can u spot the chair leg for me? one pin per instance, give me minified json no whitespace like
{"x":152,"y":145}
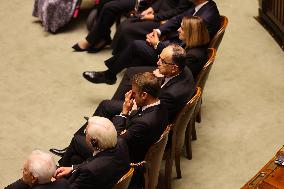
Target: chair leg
{"x":193,"y":131}
{"x":198,"y":116}
{"x":177,"y":162}
{"x":168,"y":172}
{"x":187,"y":142}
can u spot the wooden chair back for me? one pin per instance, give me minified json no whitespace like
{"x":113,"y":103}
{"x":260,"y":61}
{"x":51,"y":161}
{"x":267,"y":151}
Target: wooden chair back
{"x":216,"y":40}
{"x":124,"y":182}
{"x":178,"y":137}
{"x":153,"y":160}
{"x":203,"y":74}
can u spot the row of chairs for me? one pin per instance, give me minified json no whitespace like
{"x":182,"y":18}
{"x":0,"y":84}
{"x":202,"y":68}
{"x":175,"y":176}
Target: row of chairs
{"x":183,"y":129}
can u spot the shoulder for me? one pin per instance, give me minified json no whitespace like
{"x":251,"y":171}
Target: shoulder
{"x":60,"y":183}
{"x":180,"y":86}
{"x":197,"y":53}
{"x":196,"y":50}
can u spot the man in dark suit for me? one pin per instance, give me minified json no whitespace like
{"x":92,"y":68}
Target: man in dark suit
{"x":108,"y":160}
{"x":145,"y":53}
{"x":206,"y":9}
{"x":175,"y":91}
{"x":99,"y":36}
{"x":142,"y":127}
{"x":151,"y":18}
{"x":140,"y":121}
{"x":38,"y":171}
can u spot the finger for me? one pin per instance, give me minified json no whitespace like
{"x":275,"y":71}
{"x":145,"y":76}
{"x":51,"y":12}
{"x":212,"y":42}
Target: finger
{"x":57,"y":171}
{"x":155,"y":34}
{"x":59,"y":175}
{"x":128,"y":95}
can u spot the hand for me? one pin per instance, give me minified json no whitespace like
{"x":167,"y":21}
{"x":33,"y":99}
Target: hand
{"x":152,"y":38}
{"x":128,"y":103}
{"x":147,"y":17}
{"x":157,"y":73}
{"x":134,"y":107}
{"x":147,"y":11}
{"x":62,"y":171}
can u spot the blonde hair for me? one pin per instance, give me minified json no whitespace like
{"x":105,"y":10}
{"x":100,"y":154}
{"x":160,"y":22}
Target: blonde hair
{"x":195,"y":31}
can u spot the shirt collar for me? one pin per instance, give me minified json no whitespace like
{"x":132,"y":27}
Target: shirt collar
{"x":167,"y":79}
{"x":150,"y":105}
{"x":199,"y":7}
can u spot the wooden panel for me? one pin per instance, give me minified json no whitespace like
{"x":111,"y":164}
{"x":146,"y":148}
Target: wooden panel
{"x":275,"y":11}
{"x":271,"y":176}
{"x":271,"y":12}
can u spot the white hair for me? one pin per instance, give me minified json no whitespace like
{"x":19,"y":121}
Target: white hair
{"x":103,"y":130}
{"x":41,"y":165}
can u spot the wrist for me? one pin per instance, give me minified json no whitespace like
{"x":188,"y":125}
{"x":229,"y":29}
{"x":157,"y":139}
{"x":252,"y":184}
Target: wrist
{"x":156,"y":45}
{"x":124,"y":113}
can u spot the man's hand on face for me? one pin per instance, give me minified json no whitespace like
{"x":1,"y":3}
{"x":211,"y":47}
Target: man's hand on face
{"x":62,"y":171}
{"x":128,"y":103}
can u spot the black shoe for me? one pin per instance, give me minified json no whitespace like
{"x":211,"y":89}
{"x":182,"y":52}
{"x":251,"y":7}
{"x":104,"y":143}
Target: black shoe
{"x":99,"y":77}
{"x":58,"y":152}
{"x":99,"y":46}
{"x":77,"y":48}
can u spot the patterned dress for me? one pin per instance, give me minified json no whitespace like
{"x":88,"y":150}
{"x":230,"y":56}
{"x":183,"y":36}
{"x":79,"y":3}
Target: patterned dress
{"x":55,"y":14}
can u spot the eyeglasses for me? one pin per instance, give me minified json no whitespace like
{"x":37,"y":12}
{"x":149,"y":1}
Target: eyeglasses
{"x":163,"y":61}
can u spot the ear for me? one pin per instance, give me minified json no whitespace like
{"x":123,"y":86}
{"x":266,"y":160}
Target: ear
{"x":94,"y":142}
{"x":144,"y":95}
{"x":174,"y":69}
{"x":34,"y":180}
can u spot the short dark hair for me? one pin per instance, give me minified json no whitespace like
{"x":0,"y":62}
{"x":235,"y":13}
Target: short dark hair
{"x":178,"y":56}
{"x":147,"y":82}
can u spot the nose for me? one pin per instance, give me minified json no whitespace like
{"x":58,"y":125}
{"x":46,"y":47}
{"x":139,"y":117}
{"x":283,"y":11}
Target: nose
{"x":158,"y":62}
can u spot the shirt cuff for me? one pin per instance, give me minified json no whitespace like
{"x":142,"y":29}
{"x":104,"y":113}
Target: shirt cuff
{"x":159,"y":32}
{"x":122,"y":115}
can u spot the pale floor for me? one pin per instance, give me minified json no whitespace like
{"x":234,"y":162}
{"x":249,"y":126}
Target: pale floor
{"x":44,"y":97}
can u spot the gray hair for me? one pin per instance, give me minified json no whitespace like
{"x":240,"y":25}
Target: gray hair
{"x":41,"y":165}
{"x":103,"y":130}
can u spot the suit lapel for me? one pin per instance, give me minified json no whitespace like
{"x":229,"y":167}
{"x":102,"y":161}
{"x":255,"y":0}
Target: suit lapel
{"x":175,"y":79}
